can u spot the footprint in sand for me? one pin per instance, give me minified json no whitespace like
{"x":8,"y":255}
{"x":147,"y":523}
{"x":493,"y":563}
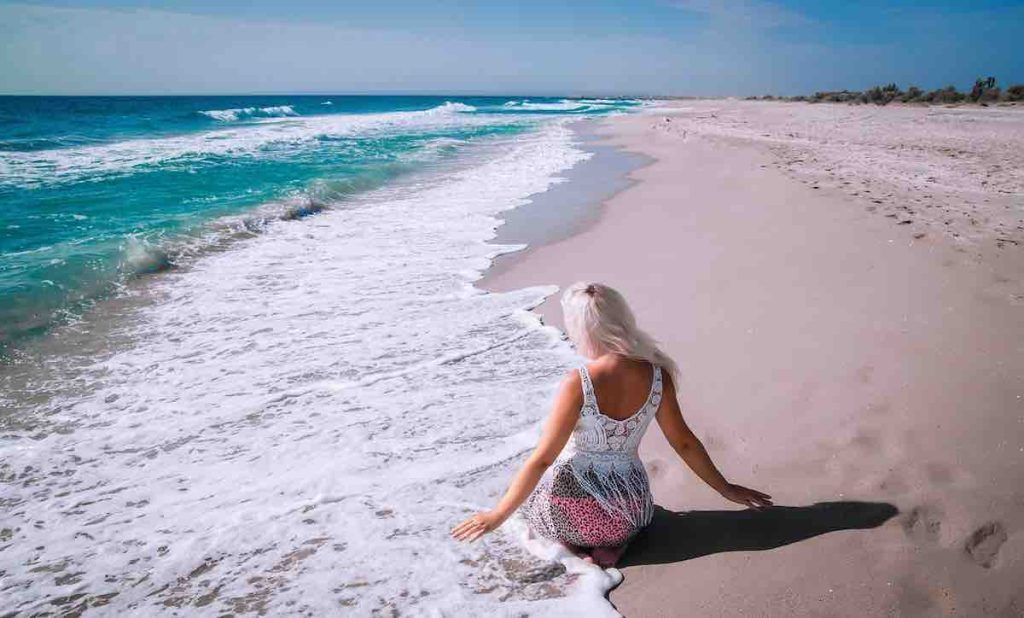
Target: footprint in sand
{"x":984,"y":543}
{"x":923,"y":523}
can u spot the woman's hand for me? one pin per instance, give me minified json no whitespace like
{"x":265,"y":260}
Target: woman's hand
{"x":746,"y":496}
{"x":477,"y":526}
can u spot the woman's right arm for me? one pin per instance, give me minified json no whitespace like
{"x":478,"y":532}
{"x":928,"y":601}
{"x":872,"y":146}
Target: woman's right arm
{"x":557,"y":430}
{"x":692,"y":451}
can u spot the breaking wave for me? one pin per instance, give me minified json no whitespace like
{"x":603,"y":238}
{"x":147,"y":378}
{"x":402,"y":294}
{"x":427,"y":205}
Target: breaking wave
{"x":244,"y":113}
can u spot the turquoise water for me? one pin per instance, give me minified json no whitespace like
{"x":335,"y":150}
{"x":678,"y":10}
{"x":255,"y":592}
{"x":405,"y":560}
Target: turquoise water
{"x":97,"y":190}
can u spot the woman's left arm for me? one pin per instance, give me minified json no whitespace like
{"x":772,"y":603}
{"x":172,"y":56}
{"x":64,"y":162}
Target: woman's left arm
{"x":557,"y":429}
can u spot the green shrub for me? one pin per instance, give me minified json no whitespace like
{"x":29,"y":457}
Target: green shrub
{"x":990,"y":94}
{"x":949,"y":94}
{"x":881,"y":95}
{"x":984,"y":91}
{"x":837,"y":96}
{"x":912,"y":94}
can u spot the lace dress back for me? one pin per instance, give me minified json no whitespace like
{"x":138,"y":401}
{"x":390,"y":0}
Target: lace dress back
{"x":597,"y":493}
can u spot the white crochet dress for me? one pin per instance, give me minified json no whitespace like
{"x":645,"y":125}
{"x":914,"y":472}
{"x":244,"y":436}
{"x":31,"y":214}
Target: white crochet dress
{"x":597,"y":494}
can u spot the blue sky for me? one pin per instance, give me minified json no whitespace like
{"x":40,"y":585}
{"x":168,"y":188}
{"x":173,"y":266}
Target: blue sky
{"x":690,"y":47}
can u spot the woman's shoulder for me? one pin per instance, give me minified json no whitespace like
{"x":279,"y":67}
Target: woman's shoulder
{"x":572,"y":379}
{"x":617,"y":367}
{"x":573,"y":376}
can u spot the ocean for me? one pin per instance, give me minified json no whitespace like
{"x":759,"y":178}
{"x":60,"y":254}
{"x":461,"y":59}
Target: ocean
{"x":244,"y":365}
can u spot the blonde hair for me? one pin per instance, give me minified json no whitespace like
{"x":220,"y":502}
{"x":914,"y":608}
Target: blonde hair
{"x":598,"y":321}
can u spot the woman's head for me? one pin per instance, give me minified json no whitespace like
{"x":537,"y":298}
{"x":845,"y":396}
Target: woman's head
{"x":599,"y":321}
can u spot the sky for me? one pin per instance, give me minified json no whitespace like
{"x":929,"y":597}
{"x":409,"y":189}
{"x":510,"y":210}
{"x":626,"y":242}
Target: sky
{"x":593,"y":47}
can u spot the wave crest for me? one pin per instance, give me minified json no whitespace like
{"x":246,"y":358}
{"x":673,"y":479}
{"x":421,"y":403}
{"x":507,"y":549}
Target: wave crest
{"x":452,"y":107}
{"x":565,"y":105}
{"x":242,"y":113}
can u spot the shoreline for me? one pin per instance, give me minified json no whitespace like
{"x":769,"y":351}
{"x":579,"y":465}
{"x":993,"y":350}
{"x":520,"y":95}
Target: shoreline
{"x":828,"y":357}
{"x":568,"y":207}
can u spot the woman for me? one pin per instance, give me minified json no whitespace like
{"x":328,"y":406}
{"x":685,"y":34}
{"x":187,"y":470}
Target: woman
{"x":596,"y":498}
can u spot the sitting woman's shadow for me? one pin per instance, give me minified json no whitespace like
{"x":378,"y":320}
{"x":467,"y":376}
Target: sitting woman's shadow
{"x":675,"y":537}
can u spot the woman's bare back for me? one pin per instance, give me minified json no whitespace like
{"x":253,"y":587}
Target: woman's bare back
{"x":621,"y":384}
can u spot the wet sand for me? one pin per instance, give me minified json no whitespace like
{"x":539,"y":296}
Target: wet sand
{"x":867,"y":373}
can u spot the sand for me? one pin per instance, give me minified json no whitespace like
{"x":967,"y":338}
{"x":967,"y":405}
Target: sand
{"x":870,"y":377}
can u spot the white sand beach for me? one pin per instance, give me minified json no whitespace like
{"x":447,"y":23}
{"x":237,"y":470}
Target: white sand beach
{"x":843,"y":288}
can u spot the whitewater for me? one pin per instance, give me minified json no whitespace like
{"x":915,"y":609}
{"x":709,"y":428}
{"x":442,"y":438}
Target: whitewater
{"x":291,"y":422}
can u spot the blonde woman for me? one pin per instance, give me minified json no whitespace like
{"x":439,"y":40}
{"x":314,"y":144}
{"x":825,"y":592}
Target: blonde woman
{"x":593,"y":496}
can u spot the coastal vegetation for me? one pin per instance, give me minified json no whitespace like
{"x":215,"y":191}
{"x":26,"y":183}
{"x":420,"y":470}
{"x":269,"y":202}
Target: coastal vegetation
{"x":984,"y":92}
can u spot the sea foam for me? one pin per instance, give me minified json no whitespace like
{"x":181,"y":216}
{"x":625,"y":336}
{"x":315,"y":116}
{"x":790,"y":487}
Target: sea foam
{"x":564,"y":105}
{"x":231,"y":115}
